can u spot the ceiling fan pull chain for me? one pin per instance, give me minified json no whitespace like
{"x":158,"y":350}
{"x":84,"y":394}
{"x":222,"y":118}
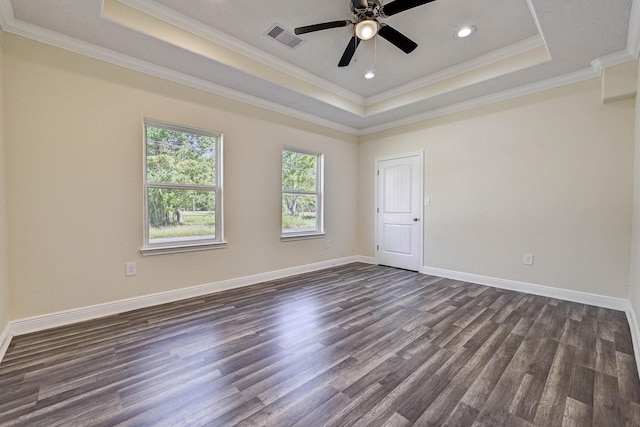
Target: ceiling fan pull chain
{"x":375,"y":57}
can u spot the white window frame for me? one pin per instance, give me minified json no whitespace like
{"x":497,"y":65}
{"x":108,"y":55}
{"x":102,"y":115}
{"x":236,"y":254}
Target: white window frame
{"x":184,"y":244}
{"x":319,"y":193}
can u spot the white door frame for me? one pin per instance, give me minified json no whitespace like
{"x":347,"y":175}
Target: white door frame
{"x":420,"y":155}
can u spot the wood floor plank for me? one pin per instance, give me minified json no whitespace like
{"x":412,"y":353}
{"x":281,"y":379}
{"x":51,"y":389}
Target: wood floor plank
{"x":481,"y":393}
{"x":551,"y":407}
{"x":352,"y":413}
{"x":461,"y":415}
{"x":628,"y":378}
{"x":351,"y":345}
{"x":608,"y":407}
{"x":527,"y":398}
{"x":606,"y":357}
{"x":440,"y":409}
{"x":576,"y":414}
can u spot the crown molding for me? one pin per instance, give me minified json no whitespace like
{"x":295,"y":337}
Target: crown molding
{"x":633,"y":36}
{"x":483,"y":60}
{"x":610,"y":60}
{"x":536,"y":21}
{"x":196,"y":27}
{"x":24,"y":29}
{"x":465,"y":67}
{"x":578,"y":76}
{"x":33,"y":32}
{"x":213,"y":35}
{"x":30,"y":31}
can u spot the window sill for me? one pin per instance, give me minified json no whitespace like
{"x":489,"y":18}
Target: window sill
{"x":172,"y":249}
{"x":301,"y":236}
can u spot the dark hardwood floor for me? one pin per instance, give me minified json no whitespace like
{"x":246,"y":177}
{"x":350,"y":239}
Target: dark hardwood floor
{"x":354,"y":345}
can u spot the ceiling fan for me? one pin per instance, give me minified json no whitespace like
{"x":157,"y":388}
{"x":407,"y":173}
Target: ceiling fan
{"x":366,"y":15}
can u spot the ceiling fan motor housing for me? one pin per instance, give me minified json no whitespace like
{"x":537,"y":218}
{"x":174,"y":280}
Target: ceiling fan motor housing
{"x":372,"y":11}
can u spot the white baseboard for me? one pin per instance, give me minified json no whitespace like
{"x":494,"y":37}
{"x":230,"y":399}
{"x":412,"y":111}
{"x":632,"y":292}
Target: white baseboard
{"x":47,"y":321}
{"x":530,"y":288}
{"x":632,"y":319}
{"x":547,"y":291}
{"x":5,"y":340}
{"x":366,"y":259}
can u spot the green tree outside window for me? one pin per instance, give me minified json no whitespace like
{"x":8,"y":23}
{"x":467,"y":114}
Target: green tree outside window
{"x":301,"y":195}
{"x":182,"y":190}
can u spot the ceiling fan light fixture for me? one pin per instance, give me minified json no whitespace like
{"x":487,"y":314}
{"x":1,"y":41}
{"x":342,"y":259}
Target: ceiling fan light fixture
{"x":367,"y":29}
{"x":466,"y":31}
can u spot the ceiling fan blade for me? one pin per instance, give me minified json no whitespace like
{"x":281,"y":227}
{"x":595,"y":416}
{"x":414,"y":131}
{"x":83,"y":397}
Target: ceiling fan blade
{"x":349,"y":52}
{"x":360,"y":4}
{"x":398,"y":6}
{"x":398,"y":39}
{"x":322,"y":26}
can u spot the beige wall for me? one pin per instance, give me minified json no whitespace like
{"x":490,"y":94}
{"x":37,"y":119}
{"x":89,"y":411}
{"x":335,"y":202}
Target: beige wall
{"x":74,"y":164}
{"x":548,"y":174}
{"x":634,"y":287}
{"x":4,"y":277}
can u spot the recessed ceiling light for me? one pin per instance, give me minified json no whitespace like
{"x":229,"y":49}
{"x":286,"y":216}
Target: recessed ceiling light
{"x":466,"y":31}
{"x":369,"y":75}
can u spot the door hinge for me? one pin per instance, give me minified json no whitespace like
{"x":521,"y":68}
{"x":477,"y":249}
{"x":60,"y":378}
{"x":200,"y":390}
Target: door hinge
{"x":378,"y":173}
{"x":377,"y":210}
{"x":377,"y":247}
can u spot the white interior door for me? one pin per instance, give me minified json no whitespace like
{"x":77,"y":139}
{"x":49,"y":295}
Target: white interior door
{"x":399,"y":211}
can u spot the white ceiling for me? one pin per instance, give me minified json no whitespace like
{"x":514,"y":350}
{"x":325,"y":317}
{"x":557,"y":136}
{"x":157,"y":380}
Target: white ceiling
{"x":520,"y":46}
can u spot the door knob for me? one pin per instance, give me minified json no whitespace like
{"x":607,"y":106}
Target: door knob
{"x":416,"y":219}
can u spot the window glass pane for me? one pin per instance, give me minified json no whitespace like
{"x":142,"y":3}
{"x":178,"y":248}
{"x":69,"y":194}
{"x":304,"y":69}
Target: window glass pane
{"x":299,"y":171}
{"x":180,"y":158}
{"x":176,"y":214}
{"x":299,"y":212}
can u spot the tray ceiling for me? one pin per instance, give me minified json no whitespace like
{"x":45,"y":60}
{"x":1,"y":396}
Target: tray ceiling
{"x":221,"y":46}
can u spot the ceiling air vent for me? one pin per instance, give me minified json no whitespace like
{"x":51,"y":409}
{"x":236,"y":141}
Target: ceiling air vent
{"x":285,"y":37}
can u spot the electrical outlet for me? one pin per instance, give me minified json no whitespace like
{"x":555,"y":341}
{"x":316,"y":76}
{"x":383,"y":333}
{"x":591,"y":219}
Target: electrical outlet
{"x":527,"y":259}
{"x":328,"y":244}
{"x":131,"y":269}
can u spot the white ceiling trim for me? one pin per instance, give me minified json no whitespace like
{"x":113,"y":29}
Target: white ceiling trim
{"x":536,"y":21}
{"x":190,"y":25}
{"x":497,"y":55}
{"x":616,"y":58}
{"x":24,"y":29}
{"x":476,"y":76}
{"x":576,"y":77}
{"x":595,"y":70}
{"x":523,"y":55}
{"x":12,"y":25}
{"x":188,"y":41}
{"x":632,"y":51}
{"x":186,"y":23}
{"x":451,"y":72}
{"x":633,"y":37}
